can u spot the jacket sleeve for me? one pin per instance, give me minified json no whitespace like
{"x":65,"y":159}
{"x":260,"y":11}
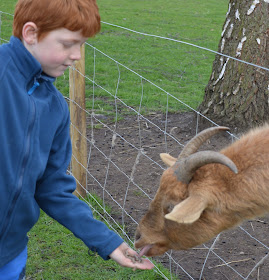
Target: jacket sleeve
{"x":54,"y":194}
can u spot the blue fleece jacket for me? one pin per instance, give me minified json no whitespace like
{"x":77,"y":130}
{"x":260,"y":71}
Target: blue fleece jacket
{"x":35,"y":152}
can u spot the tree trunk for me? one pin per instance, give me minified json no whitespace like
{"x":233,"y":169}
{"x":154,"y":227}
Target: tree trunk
{"x":238,"y":93}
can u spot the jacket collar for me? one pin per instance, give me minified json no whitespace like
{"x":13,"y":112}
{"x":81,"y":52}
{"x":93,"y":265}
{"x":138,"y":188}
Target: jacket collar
{"x":29,"y":67}
{"x":26,"y":63}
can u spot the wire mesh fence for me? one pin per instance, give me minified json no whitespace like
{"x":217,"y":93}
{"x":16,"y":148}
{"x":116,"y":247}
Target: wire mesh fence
{"x":130,"y":120}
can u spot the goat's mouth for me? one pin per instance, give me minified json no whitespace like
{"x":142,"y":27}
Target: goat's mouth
{"x":151,"y":250}
{"x":144,"y":250}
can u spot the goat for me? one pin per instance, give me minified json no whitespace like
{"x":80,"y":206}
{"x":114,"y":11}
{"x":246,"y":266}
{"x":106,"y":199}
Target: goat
{"x":204,"y":193}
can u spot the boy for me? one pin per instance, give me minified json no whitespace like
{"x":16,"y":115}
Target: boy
{"x":34,"y":129}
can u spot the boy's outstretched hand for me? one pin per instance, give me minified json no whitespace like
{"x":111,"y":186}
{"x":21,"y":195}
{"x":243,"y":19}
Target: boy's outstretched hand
{"x":127,"y":257}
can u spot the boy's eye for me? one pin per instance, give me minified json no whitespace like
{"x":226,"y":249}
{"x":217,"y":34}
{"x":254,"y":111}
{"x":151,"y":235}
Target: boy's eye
{"x":67,"y":45}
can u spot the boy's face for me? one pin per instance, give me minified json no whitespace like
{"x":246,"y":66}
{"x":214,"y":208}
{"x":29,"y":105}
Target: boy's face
{"x":58,"y":50}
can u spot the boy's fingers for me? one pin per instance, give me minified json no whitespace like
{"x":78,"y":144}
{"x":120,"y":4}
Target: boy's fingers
{"x":146,"y":264}
{"x":136,"y":261}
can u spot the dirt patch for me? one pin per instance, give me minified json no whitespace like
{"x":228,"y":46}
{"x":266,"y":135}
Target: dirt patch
{"x":125,"y":169}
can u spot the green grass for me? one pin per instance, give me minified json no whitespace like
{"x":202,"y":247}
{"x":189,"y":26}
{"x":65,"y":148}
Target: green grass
{"x":54,"y":253}
{"x":7,"y":6}
{"x":181,"y":70}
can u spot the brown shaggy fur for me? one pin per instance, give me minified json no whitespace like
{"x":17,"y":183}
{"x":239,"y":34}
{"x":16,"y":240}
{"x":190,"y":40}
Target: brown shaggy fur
{"x":227,"y":199}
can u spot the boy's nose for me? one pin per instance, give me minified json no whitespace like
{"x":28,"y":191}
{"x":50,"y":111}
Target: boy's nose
{"x":76,"y":54}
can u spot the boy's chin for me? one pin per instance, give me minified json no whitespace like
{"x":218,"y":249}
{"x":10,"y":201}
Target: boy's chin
{"x":55,"y":74}
{"x":58,"y":75}
{"x":56,"y":71}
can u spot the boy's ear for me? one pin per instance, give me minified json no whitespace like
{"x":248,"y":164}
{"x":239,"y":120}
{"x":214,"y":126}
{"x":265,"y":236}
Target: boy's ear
{"x":29,"y":33}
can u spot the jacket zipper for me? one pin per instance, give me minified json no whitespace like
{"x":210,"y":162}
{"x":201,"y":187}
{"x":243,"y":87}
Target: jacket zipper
{"x":25,"y":159}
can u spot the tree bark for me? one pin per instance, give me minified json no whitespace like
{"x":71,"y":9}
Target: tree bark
{"x":238,"y":93}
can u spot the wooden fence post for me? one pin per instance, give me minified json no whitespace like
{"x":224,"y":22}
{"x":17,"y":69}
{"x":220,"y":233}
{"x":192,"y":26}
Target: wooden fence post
{"x":78,"y":123}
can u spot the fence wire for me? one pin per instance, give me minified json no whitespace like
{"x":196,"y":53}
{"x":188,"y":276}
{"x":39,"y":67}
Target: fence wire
{"x":123,"y":166}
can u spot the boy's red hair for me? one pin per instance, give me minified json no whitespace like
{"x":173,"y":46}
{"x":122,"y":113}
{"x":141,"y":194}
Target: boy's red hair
{"x":49,"y":15}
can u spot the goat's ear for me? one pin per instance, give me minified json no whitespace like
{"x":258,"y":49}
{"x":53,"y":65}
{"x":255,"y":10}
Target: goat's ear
{"x":188,"y":211}
{"x":167,"y":159}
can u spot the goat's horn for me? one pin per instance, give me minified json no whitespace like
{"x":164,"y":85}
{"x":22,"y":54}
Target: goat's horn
{"x":193,"y":145}
{"x":186,"y":167}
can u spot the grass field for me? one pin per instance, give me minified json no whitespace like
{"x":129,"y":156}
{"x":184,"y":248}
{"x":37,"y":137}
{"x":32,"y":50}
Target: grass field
{"x":54,"y":253}
{"x":180,"y":69}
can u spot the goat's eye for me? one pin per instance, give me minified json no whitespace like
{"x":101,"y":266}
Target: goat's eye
{"x":168,"y":208}
{"x":137,"y":235}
